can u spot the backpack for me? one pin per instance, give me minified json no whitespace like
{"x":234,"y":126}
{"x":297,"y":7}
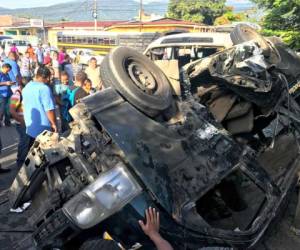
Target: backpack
{"x":69,"y":101}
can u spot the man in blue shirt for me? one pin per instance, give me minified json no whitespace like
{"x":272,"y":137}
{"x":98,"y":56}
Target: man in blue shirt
{"x":14,"y":74}
{"x":40,"y":54}
{"x":5,"y":91}
{"x":39,"y":107}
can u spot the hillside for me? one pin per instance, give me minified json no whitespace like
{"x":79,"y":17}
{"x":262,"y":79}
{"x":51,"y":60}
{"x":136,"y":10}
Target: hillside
{"x":82,"y":10}
{"x":107,"y":10}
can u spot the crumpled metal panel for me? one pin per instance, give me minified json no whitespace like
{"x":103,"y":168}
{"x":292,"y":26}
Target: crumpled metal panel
{"x":177,"y":169}
{"x":44,"y":152}
{"x":244,"y":70}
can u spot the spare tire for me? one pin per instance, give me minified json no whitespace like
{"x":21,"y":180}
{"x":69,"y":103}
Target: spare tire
{"x":244,"y":33}
{"x":137,"y":79}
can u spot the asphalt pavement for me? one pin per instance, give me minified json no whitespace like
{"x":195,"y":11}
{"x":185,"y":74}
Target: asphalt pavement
{"x":15,"y":231}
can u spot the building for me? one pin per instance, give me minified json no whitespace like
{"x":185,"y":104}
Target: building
{"x":146,"y":17}
{"x":23,"y":28}
{"x":160,"y":25}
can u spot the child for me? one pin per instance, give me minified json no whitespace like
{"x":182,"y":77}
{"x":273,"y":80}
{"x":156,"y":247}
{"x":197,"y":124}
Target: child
{"x":67,"y":67}
{"x":60,"y":93}
{"x":5,"y":91}
{"x":26,"y":67}
{"x":47,"y":59}
{"x":87,"y":86}
{"x":55,"y":65}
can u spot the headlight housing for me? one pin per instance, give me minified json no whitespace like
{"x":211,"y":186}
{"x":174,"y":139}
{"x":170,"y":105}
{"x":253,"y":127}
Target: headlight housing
{"x":107,"y":194}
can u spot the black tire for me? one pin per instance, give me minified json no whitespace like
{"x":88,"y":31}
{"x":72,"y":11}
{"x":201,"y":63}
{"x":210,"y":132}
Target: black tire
{"x":99,"y":244}
{"x":137,"y":79}
{"x":244,"y":33}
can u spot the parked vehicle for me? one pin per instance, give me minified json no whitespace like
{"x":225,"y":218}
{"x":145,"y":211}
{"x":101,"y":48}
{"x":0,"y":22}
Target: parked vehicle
{"x":82,"y":56}
{"x":21,"y":45}
{"x":187,"y":47}
{"x":4,"y":37}
{"x":210,"y":156}
{"x":103,"y":42}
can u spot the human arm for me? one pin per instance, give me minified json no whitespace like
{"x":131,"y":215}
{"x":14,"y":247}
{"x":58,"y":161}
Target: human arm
{"x":151,"y":228}
{"x":52,"y":119}
{"x":47,"y":101}
{"x":7,"y":83}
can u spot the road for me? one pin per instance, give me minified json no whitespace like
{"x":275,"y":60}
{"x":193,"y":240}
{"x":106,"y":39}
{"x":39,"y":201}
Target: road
{"x":15,"y":231}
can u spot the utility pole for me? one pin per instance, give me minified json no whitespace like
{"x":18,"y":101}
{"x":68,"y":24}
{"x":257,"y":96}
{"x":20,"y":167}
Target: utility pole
{"x":141,"y":18}
{"x":95,"y":14}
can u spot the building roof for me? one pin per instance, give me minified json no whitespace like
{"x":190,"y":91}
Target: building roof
{"x":83,"y":24}
{"x":105,"y":24}
{"x":161,"y":21}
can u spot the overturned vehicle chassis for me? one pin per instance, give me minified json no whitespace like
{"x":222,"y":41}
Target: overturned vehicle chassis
{"x":213,"y":160}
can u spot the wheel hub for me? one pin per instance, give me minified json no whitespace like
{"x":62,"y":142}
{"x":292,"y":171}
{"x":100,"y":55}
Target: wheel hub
{"x":142,"y":78}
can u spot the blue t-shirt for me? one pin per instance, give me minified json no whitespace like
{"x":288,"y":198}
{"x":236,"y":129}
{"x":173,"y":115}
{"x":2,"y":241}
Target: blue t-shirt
{"x":40,"y":55}
{"x":37,"y":101}
{"x":15,"y":69}
{"x":5,"y":91}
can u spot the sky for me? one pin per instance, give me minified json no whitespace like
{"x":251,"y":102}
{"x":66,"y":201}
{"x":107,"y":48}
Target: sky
{"x":29,"y":3}
{"x":36,"y":3}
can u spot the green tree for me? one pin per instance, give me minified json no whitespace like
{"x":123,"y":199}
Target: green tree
{"x":200,"y":11}
{"x":229,"y":16}
{"x":282,"y":18}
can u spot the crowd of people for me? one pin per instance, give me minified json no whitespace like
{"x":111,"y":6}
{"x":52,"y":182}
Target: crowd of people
{"x":38,"y":88}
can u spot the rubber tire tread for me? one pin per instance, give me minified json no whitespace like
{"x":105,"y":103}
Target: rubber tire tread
{"x":152,"y":105}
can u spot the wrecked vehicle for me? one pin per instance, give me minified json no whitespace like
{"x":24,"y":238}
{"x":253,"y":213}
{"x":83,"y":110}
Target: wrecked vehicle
{"x":171,"y":53}
{"x":210,"y":156}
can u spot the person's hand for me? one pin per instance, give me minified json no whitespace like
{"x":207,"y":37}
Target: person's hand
{"x":9,"y":83}
{"x":54,"y":128}
{"x":151,"y":228}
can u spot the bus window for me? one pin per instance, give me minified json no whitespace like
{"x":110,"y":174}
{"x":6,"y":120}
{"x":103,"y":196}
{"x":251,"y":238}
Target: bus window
{"x":112,"y":42}
{"x":106,"y":41}
{"x":90,"y":40}
{"x":94,"y":40}
{"x":84,"y":40}
{"x":100,"y":41}
{"x":59,"y":39}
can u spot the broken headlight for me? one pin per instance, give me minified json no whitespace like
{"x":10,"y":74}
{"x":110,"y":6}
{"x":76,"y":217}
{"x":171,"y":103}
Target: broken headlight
{"x":106,"y":195}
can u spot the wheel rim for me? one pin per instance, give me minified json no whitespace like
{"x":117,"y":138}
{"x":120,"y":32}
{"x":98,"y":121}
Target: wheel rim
{"x":142,"y":77}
